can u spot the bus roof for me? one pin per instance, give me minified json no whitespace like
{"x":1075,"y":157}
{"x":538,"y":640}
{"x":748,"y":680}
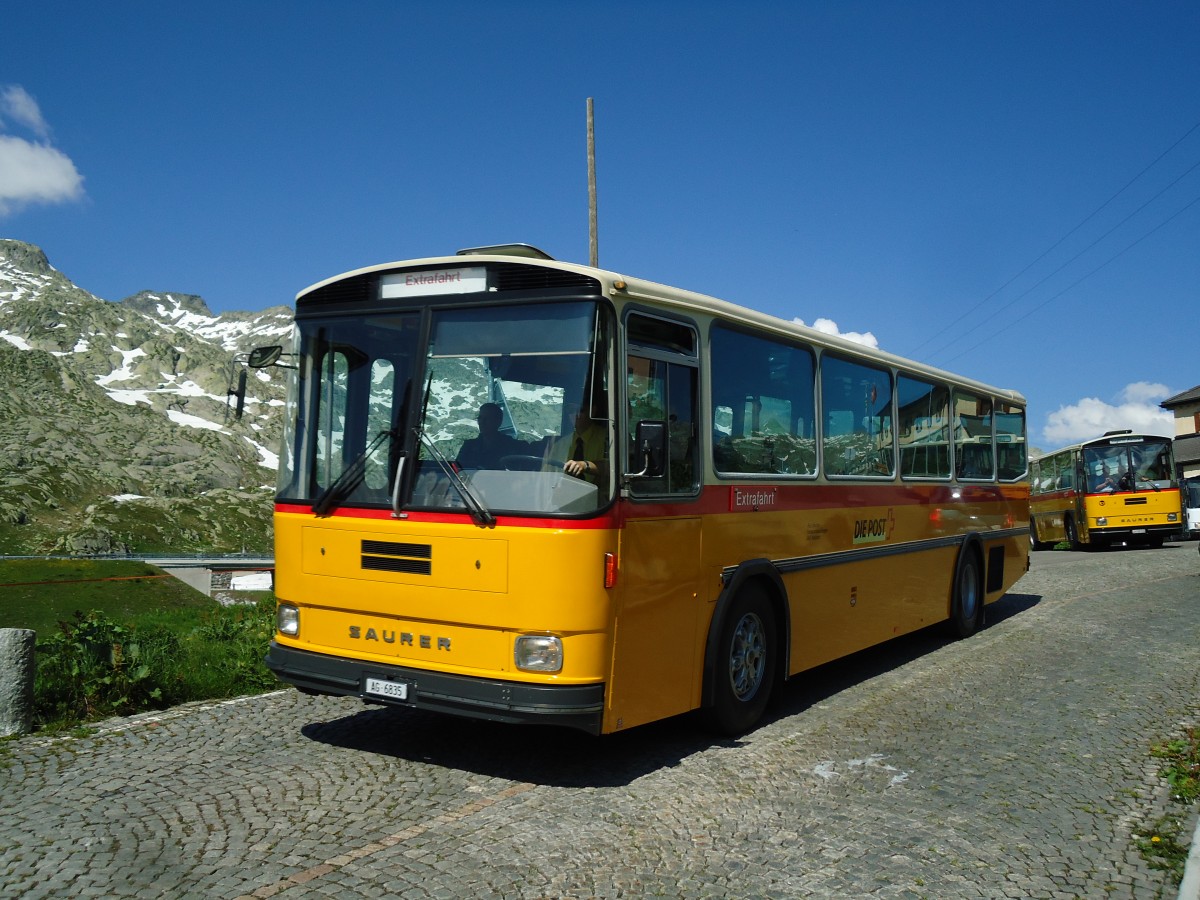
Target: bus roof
{"x":616,"y":284}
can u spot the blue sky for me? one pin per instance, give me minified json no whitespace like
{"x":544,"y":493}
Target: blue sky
{"x":1003,"y":190}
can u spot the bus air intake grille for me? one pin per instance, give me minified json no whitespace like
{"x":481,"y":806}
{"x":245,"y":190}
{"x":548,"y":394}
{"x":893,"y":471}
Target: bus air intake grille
{"x":1135,"y":501}
{"x":516,"y":277}
{"x":360,"y":289}
{"x":409,"y":559}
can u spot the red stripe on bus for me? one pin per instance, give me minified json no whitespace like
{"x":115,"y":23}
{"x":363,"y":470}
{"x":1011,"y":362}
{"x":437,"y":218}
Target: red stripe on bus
{"x":721,"y":499}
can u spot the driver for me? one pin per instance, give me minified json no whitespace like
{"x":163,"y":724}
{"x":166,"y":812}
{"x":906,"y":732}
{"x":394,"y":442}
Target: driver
{"x":1105,"y":481}
{"x":492,"y":445}
{"x":584,"y":451}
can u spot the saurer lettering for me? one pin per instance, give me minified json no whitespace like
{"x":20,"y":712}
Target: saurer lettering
{"x":404,"y":638}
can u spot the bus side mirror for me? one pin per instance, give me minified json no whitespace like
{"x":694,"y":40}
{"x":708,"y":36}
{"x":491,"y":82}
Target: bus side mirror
{"x":261,"y":357}
{"x":651,"y":444}
{"x":238,"y":394}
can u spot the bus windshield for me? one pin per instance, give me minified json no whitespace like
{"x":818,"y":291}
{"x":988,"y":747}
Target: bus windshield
{"x":509,"y":394}
{"x":477,"y":421}
{"x":1140,"y":465}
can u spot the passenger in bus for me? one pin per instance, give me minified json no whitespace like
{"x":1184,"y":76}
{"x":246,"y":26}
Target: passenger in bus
{"x":584,"y":452}
{"x":488,"y":449}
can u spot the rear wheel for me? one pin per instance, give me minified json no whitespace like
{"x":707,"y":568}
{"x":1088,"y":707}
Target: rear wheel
{"x":744,"y":670}
{"x":966,"y":606}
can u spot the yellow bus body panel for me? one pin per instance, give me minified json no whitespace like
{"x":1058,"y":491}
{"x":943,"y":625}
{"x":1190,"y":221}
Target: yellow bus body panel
{"x":864,"y":575}
{"x":1131,"y":510}
{"x":485,"y":586}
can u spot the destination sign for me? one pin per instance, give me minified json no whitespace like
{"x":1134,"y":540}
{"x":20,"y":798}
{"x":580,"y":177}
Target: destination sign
{"x":433,"y":281}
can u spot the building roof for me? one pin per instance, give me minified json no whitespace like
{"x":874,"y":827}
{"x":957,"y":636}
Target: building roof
{"x":1187,"y":449}
{"x":1191,"y":396}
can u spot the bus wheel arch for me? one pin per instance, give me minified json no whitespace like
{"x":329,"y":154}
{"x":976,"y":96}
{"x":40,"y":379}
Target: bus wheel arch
{"x":745,"y":653}
{"x":967,"y":597}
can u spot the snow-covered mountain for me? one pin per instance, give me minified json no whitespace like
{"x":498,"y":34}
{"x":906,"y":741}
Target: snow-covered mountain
{"x":116,"y":433}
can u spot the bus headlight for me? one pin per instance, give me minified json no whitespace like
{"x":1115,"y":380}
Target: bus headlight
{"x":538,"y":653}
{"x":287,"y":619}
{"x":1172,"y":517}
{"x":1102,"y":521}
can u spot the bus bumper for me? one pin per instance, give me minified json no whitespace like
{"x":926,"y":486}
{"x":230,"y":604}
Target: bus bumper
{"x":515,"y":702}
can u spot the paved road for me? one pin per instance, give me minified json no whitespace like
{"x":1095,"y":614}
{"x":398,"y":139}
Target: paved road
{"x":1013,"y":764}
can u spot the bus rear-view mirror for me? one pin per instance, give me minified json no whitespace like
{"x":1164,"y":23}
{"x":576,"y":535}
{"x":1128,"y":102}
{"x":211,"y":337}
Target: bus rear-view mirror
{"x":651,"y":444}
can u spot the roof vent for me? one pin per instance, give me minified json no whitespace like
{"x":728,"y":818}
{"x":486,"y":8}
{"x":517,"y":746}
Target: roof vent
{"x":526,"y":250}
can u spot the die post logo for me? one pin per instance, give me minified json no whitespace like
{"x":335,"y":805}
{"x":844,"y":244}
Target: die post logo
{"x":876,"y":530}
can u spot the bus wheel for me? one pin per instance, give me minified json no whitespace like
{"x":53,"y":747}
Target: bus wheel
{"x":744,"y":670}
{"x":1034,"y":543}
{"x":1072,"y":533}
{"x":966,"y":606}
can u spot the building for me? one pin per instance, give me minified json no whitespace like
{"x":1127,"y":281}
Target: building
{"x":1186,"y":409}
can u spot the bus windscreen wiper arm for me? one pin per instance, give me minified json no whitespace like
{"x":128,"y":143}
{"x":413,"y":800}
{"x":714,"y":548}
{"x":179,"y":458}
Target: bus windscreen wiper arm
{"x":476,"y":506}
{"x":350,"y":478}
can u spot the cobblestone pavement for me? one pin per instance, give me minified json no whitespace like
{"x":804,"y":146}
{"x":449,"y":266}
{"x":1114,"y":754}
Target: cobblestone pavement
{"x":1012,"y":764}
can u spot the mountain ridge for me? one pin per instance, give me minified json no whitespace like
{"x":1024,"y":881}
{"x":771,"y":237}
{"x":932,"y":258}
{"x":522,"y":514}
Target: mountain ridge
{"x":117,"y":435}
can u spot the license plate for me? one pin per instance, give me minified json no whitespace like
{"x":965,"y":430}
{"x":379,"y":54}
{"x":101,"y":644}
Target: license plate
{"x":1139,"y":531}
{"x":394,"y":690}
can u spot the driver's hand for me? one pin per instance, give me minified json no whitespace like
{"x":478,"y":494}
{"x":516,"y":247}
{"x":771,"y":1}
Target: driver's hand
{"x":576,"y":467}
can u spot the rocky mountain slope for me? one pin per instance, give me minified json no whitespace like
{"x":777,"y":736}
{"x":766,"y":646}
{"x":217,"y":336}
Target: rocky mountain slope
{"x":115,"y":435}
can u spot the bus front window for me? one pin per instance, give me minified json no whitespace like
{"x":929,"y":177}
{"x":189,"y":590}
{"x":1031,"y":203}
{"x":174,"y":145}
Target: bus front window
{"x":1151,"y":463}
{"x":506,"y":391}
{"x":346,"y":409}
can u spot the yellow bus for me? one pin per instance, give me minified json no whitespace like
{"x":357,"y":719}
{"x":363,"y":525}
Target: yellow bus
{"x":529,"y":491}
{"x":1119,"y":488}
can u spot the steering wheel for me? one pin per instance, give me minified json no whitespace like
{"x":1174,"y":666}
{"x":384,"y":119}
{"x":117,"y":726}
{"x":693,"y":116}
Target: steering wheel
{"x":521,"y":462}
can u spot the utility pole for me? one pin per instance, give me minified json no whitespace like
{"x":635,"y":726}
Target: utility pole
{"x":593,"y":237}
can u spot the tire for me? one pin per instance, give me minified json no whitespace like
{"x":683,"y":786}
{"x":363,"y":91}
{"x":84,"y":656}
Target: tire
{"x":1034,"y":543}
{"x":744,"y":668}
{"x":966,"y":603}
{"x":1072,"y":533}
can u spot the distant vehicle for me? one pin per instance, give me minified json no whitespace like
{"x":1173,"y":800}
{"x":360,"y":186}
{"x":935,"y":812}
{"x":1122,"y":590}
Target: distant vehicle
{"x":708,"y":500}
{"x":1191,"y":505}
{"x":1117,"y":489}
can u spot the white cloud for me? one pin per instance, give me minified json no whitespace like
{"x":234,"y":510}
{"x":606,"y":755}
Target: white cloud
{"x":31,"y":171}
{"x":16,"y":104}
{"x":828,"y":326}
{"x":1136,"y":409}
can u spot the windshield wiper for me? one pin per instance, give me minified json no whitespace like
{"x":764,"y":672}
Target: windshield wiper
{"x":473,"y":502}
{"x":350,"y":478}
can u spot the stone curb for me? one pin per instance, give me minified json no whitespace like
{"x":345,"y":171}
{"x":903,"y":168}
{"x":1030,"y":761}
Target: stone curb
{"x":1189,"y":888}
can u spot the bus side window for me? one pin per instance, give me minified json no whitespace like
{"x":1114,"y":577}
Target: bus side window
{"x":764,"y":408}
{"x":663,"y":391}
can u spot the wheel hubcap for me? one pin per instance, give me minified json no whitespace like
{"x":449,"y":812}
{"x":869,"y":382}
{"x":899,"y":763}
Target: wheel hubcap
{"x":748,"y":657}
{"x":969,"y":592}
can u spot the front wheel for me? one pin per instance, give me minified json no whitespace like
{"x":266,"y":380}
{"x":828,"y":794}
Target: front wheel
{"x":1072,"y":533}
{"x":744,"y":669}
{"x":1034,"y":543}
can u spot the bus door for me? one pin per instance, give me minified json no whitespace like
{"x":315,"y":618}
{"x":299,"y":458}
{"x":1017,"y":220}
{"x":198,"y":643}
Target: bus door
{"x":656,"y":663}
{"x":1082,"y":481}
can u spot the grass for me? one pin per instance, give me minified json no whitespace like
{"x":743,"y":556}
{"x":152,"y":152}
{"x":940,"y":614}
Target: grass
{"x":1165,"y":846}
{"x":39,"y":593}
{"x":119,"y":637}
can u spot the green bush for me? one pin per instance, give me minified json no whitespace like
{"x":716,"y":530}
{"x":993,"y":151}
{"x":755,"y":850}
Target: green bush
{"x":94,"y":666}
